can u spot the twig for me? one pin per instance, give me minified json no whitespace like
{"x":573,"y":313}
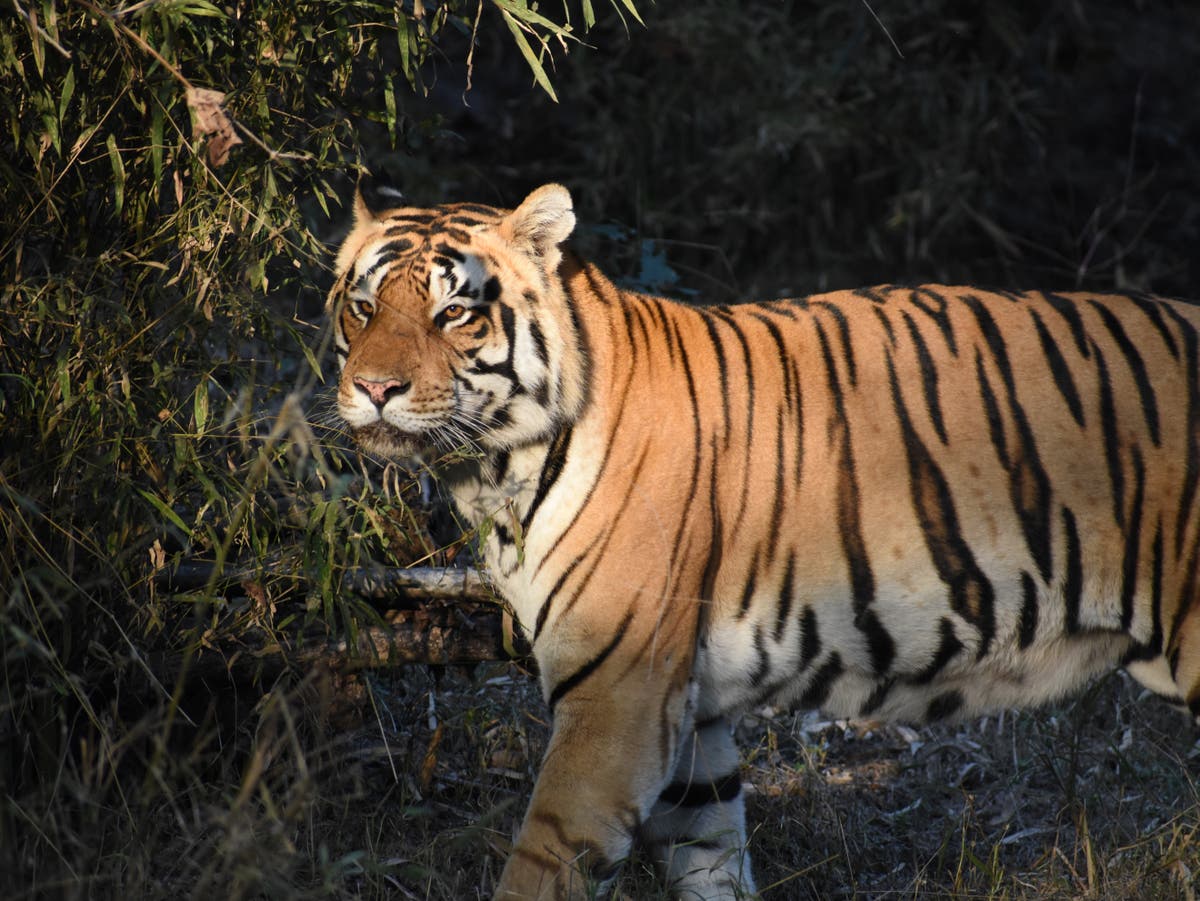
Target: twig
{"x":40,"y":30}
{"x":884,"y":27}
{"x":374,"y":583}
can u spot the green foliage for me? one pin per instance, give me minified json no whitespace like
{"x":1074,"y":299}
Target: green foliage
{"x":167,"y":169}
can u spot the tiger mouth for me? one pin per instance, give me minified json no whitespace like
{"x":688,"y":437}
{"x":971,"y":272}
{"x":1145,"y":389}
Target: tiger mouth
{"x":386,"y":440}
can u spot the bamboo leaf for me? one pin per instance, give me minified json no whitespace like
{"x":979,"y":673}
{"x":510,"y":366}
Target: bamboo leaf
{"x":118,"y":167}
{"x":68,"y":90}
{"x":539,"y":74}
{"x":527,"y":15}
{"x":200,"y":407}
{"x":628,"y":4}
{"x":161,"y":506}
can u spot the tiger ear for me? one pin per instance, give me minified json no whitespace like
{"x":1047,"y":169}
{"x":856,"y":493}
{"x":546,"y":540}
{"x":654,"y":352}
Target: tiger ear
{"x":543,"y":221}
{"x":373,"y":196}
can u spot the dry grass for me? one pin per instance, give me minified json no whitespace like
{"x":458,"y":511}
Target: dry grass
{"x":412,"y":788}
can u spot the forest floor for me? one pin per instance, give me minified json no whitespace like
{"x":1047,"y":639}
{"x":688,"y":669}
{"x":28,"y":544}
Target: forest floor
{"x":1097,"y":798}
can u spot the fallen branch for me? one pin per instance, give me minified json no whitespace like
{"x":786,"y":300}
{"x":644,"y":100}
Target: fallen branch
{"x":374,"y":583}
{"x":458,"y":621}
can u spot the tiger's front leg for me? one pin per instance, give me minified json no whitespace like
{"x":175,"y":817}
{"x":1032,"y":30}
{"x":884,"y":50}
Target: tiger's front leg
{"x":610,"y":756}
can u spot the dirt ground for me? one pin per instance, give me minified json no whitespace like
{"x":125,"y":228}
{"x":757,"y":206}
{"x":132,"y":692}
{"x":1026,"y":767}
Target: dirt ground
{"x":1098,"y":797}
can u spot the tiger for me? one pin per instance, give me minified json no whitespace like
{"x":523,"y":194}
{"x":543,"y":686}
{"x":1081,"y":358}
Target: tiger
{"x":898,"y":503}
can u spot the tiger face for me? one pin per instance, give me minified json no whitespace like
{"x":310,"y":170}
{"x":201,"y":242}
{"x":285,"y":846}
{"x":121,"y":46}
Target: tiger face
{"x":450,"y":325}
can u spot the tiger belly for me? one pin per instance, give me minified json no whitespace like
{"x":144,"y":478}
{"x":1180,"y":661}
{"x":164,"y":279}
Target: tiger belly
{"x":741,"y":668}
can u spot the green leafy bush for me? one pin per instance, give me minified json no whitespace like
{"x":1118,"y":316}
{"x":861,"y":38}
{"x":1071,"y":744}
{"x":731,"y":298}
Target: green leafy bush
{"x":169,"y":168}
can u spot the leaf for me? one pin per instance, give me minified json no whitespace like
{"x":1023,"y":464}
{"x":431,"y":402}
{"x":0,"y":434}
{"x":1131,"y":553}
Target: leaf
{"x":589,"y":14}
{"x":633,"y":11}
{"x":68,"y":90}
{"x":118,"y":166}
{"x":200,"y":407}
{"x":539,"y":74}
{"x":161,"y":506}
{"x":527,"y":15}
{"x":210,"y":121}
{"x":156,"y":143}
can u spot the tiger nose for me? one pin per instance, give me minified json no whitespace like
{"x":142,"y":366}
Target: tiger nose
{"x":382,"y":390}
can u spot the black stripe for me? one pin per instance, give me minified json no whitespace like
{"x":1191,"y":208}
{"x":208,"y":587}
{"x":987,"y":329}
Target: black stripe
{"x":1133,"y":540}
{"x":938,"y":313}
{"x":748,"y":440}
{"x":1029,"y":611}
{"x":488,"y":213}
{"x":991,"y":410}
{"x":600,"y":545}
{"x":573,"y":681}
{"x":1070,"y":313}
{"x":880,"y":644}
{"x":776,"y":528}
{"x":698,"y":794}
{"x":1029,"y":485}
{"x":1137,"y":366}
{"x":786,"y":591}
{"x":716,"y":547}
{"x":817,"y":691}
{"x":746,"y":356}
{"x":1192,"y":468}
{"x":719,"y":351}
{"x":782,"y":354}
{"x":1112,"y":448}
{"x":1156,"y":633}
{"x":877,"y":696}
{"x":539,"y":342}
{"x":697,"y":446}
{"x":971,"y":593}
{"x":943,"y":706}
{"x":832,"y":379}
{"x":582,"y":348}
{"x":1059,"y":369}
{"x":552,"y":467}
{"x":639,"y":316}
{"x":659,"y":313}
{"x":847,"y":344}
{"x":748,"y":590}
{"x":886,"y":323}
{"x":628,"y":315}
{"x":1073,"y":587}
{"x":1150,"y":307}
{"x":869,"y":294}
{"x":948,"y":648}
{"x":862,"y":579}
{"x":763,"y":668}
{"x":929,"y":378}
{"x":810,"y":639}
{"x":544,"y":610}
{"x":447,"y":250}
{"x":491,"y":290}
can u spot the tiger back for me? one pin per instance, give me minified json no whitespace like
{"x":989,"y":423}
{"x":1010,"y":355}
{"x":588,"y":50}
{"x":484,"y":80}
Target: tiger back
{"x":893,"y":502}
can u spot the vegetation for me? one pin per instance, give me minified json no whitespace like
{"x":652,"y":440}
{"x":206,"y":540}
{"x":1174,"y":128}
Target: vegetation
{"x":175,"y":175}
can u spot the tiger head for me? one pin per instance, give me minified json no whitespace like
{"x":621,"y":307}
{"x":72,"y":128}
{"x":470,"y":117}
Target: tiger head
{"x":452,"y":326}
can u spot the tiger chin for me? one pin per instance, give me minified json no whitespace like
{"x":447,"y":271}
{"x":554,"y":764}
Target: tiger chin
{"x":895,"y":502}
